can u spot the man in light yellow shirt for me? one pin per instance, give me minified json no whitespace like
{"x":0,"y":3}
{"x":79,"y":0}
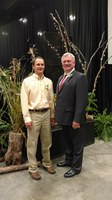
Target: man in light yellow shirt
{"x":37,"y":102}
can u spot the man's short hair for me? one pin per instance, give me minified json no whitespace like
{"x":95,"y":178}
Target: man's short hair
{"x":68,"y":54}
{"x":37,"y":57}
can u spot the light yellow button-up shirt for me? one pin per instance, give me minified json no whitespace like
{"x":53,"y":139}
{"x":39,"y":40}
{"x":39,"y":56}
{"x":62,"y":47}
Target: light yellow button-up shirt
{"x":36,"y":93}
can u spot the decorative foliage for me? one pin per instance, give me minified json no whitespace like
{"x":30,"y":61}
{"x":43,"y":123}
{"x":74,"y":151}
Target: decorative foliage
{"x":4,"y":128}
{"x":67,"y":44}
{"x":92,"y":107}
{"x":103,"y":126}
{"x":32,"y":51}
{"x":10,"y":90}
{"x":10,"y":84}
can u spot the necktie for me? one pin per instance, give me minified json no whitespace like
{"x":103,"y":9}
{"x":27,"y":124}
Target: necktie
{"x":62,"y":81}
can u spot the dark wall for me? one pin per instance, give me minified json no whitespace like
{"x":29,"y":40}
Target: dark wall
{"x":85,"y":32}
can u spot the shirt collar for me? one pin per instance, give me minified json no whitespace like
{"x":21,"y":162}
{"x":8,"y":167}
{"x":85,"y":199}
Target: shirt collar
{"x":38,"y":77}
{"x":68,"y":74}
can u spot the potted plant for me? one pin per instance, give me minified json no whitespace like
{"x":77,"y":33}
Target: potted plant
{"x":10,"y":112}
{"x":103,"y":126}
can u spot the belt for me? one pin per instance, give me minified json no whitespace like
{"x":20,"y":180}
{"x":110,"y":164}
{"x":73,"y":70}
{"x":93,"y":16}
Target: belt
{"x":39,"y":110}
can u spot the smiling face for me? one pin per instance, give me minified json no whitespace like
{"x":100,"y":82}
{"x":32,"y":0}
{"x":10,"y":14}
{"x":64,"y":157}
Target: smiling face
{"x":38,"y":66}
{"x":68,"y":62}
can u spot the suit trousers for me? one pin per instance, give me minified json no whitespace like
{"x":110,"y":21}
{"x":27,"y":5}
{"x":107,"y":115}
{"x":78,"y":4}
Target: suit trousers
{"x":40,"y":126}
{"x":74,"y":144}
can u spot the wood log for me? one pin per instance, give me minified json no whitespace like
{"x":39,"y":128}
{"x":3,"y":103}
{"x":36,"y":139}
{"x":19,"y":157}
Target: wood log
{"x":13,"y":155}
{"x":13,"y":168}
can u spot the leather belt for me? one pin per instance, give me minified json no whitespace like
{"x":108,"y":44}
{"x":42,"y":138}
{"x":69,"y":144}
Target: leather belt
{"x":39,"y":110}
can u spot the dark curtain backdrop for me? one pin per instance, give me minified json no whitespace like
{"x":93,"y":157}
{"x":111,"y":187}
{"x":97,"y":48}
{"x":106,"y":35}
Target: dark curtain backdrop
{"x":85,"y":32}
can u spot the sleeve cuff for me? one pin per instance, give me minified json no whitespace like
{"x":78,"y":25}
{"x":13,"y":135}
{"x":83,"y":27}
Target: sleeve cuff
{"x":27,"y":119}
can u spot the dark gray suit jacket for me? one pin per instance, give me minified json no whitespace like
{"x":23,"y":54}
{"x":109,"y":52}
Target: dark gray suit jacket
{"x":71,"y":100}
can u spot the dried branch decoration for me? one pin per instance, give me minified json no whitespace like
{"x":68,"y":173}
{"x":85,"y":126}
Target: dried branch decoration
{"x":68,"y":46}
{"x":102,"y":64}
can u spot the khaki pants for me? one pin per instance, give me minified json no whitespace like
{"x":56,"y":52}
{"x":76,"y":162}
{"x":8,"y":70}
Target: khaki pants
{"x":40,"y":126}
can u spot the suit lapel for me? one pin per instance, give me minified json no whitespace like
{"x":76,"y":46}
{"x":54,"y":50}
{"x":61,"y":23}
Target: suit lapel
{"x":65,"y":83}
{"x":57,"y":88}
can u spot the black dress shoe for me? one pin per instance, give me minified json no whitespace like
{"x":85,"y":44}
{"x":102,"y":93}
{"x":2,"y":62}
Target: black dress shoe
{"x":71,"y":172}
{"x":63,"y":164}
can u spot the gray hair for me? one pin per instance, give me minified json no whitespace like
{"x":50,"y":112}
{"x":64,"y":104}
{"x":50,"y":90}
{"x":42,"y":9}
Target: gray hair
{"x":68,"y":54}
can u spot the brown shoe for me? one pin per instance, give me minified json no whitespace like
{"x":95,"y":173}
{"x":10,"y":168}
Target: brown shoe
{"x":35,"y":175}
{"x":51,"y":170}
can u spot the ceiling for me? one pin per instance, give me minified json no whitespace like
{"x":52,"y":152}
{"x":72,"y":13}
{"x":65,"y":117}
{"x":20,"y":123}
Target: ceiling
{"x":13,"y":9}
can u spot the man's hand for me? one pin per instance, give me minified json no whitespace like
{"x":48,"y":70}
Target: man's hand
{"x":28,"y":125}
{"x":52,"y":121}
{"x":75,"y":125}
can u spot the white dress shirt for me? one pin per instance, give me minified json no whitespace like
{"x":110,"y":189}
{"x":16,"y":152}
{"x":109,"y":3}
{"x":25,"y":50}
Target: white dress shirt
{"x":36,"y":93}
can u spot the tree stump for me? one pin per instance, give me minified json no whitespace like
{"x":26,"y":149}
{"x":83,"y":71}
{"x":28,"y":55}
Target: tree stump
{"x":13,"y":155}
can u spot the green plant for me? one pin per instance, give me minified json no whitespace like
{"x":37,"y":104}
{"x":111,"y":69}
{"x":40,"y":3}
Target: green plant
{"x":92,"y":107}
{"x":11,"y":119}
{"x":4,"y":129}
{"x":103,"y":126}
{"x":10,"y":91}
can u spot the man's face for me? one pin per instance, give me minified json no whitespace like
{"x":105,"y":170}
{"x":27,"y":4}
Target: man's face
{"x":68,"y":63}
{"x":38,"y":66}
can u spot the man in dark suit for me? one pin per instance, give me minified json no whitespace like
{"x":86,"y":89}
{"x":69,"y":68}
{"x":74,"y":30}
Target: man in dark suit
{"x":71,"y":101}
